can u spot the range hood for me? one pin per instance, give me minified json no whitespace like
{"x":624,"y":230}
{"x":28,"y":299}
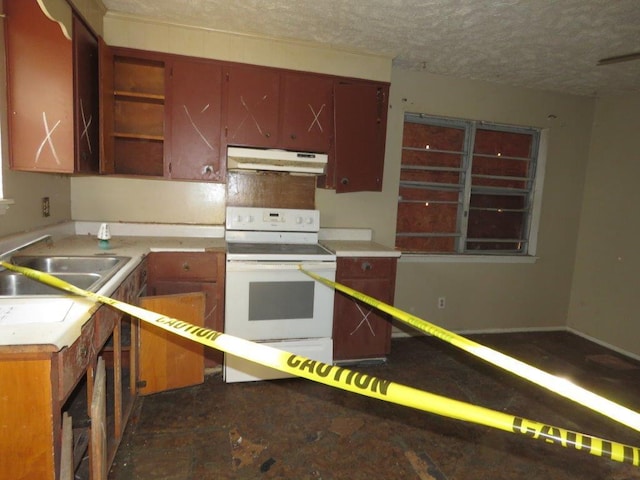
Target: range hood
{"x":243,"y":158}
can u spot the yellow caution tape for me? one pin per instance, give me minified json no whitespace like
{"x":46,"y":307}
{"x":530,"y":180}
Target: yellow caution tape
{"x":357,"y":382}
{"x":553,"y":383}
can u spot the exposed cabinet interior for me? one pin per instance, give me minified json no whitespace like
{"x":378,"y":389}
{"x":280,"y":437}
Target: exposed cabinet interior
{"x":138,"y":115}
{"x":359,"y":330}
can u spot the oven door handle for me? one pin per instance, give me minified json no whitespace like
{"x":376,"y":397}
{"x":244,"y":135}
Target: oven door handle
{"x":264,"y":266}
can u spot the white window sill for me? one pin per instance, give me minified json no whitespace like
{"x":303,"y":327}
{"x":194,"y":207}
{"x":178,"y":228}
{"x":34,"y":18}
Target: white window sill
{"x":4,"y":205}
{"x":419,"y":258}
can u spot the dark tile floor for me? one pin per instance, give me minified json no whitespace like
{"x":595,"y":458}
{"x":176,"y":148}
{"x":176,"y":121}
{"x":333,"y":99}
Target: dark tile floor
{"x":297,"y":429}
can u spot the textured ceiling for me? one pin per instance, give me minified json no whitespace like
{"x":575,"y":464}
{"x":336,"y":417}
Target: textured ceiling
{"x":545,"y":44}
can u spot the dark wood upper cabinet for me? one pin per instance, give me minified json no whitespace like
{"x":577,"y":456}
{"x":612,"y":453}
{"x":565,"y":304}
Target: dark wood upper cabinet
{"x":40,"y":90}
{"x":272,"y":108}
{"x":307,"y":112}
{"x":360,"y":128}
{"x":251,"y":106}
{"x":194,"y":96}
{"x":160,"y":115}
{"x":86,"y":107}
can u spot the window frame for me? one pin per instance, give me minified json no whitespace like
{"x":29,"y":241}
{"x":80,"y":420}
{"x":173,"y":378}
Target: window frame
{"x":535,"y":180}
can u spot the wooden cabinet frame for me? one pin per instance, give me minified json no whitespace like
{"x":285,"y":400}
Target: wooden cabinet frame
{"x":40,"y":382}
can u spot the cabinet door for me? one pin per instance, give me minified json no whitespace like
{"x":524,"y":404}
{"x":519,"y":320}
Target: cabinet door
{"x":307,"y":112}
{"x":360,"y":126}
{"x":361,"y":331}
{"x":252,"y":103}
{"x":40,"y":90}
{"x":85,"y":69}
{"x":106,"y":107}
{"x":168,"y":361}
{"x":194,"y":97}
{"x":212,"y":317}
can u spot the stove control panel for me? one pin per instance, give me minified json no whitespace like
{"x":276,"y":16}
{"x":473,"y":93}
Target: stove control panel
{"x":272,"y":219}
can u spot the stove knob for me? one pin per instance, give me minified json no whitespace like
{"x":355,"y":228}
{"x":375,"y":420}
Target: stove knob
{"x":309,"y":220}
{"x":298,"y":220}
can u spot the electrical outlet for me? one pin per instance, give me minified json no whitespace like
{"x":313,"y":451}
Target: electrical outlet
{"x":45,"y":207}
{"x":441,"y":302}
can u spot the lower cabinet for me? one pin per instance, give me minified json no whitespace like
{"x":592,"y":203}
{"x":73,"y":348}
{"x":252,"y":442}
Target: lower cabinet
{"x":53,"y":400}
{"x":186,"y":272}
{"x":359,"y":330}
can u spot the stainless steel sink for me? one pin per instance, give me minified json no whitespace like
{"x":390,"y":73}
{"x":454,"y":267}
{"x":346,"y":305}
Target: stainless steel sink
{"x":15,"y":284}
{"x":84,"y":264}
{"x":86,"y":272}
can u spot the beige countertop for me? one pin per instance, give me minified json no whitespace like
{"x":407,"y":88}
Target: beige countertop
{"x":51,"y":323}
{"x":359,"y":248}
{"x":56,"y":321}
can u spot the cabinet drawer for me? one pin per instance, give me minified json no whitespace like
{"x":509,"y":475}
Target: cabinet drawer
{"x":366,"y":267}
{"x":200,"y":266}
{"x":74,"y":360}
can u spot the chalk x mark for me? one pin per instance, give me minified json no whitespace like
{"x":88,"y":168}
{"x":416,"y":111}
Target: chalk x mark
{"x":195,"y":127}
{"x":47,"y":139}
{"x":316,"y":120}
{"x":365,"y":319}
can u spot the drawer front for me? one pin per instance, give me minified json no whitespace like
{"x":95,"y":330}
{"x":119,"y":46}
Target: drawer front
{"x":199,"y":266}
{"x":366,"y":267}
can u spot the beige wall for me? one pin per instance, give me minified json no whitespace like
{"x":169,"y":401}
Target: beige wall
{"x":604,"y":297}
{"x":485,"y":296}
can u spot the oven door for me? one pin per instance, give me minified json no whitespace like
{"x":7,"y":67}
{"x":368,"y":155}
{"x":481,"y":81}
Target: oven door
{"x":275,"y":300}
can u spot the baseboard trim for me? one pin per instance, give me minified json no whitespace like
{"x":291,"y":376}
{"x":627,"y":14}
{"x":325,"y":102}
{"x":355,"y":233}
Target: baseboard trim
{"x":401,"y":333}
{"x":603,"y":344}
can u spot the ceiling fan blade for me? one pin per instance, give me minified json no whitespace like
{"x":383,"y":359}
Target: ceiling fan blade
{"x":620,"y":58}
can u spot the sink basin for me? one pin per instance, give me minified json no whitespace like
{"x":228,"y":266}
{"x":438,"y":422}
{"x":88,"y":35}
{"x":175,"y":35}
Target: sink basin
{"x":69,"y":264}
{"x":15,"y":284}
{"x":86,"y":272}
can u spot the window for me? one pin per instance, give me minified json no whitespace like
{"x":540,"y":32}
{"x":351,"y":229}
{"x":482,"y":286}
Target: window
{"x":466,"y":187}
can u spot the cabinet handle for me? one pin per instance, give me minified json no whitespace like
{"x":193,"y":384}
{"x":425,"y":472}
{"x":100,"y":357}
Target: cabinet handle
{"x":366,"y":266}
{"x":208,"y":169}
{"x":186,"y":267}
{"x":268,"y":135}
{"x":344,"y":181}
{"x":293,"y":136}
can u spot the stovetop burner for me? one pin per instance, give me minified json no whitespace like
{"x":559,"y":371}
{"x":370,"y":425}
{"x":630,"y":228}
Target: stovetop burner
{"x":291,"y":252}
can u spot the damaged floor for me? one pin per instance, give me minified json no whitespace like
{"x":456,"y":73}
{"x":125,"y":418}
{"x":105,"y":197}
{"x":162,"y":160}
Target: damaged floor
{"x":296,"y":429}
